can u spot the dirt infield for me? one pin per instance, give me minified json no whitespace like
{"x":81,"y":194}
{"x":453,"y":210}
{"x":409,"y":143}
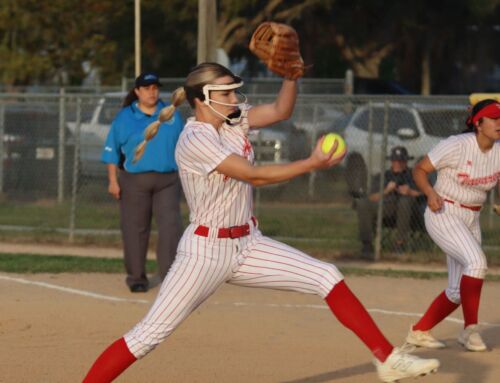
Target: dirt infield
{"x":52,"y":328}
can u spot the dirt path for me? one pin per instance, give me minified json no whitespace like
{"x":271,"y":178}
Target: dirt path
{"x":108,"y":252}
{"x":50,"y":332}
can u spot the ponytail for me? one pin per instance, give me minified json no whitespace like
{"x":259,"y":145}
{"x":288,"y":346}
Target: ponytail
{"x":130,"y":98}
{"x":166,"y":114}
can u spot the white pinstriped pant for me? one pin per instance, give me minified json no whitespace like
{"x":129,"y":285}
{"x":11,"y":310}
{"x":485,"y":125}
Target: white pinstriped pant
{"x":202,"y":264}
{"x":457,"y":232}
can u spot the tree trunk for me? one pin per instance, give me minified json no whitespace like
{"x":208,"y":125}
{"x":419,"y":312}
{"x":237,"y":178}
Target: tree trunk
{"x":425,"y":89}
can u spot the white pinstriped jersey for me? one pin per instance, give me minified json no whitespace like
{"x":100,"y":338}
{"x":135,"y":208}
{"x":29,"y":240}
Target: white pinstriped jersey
{"x":214,"y":199}
{"x":465,"y":173}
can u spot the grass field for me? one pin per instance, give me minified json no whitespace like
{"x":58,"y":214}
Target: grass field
{"x":324,"y":230}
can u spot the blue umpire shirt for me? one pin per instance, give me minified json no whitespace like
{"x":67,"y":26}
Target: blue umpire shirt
{"x":127,"y":131}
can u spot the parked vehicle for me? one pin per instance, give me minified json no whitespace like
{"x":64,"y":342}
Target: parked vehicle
{"x":30,"y":150}
{"x":279,"y":143}
{"x":93,"y":133}
{"x":418,"y":127}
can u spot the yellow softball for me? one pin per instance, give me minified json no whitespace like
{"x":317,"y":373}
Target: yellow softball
{"x":329,"y":141}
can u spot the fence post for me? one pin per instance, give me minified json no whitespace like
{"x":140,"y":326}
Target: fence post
{"x":349,"y":82}
{"x":314,"y":137}
{"x":490,"y":210}
{"x":124,"y":84}
{"x":380,"y":211}
{"x":76,"y":170}
{"x":370,"y":148}
{"x":258,"y":157}
{"x":2,"y":148}
{"x":62,"y":146}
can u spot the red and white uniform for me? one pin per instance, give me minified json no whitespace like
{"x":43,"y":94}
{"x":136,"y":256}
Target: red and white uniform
{"x":464,"y":176}
{"x":204,"y":262}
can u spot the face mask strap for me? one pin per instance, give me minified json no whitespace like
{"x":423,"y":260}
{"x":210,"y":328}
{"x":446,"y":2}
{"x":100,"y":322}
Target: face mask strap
{"x":221,"y":87}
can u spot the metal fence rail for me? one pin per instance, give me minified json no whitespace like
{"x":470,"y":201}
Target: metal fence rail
{"x":51,"y":146}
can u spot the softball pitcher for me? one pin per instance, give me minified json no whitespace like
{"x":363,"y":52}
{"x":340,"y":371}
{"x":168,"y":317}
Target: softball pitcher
{"x":468,"y":166}
{"x":223,"y":243}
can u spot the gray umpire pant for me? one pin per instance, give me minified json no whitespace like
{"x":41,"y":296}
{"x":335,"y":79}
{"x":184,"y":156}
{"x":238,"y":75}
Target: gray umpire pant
{"x":401,"y":210}
{"x":144,"y":195}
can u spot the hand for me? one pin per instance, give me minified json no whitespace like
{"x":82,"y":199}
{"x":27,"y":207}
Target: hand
{"x":496,"y":209}
{"x":325,"y":160}
{"x":404,"y":189}
{"x":114,"y":190}
{"x":434,"y":201}
{"x":391,"y":186}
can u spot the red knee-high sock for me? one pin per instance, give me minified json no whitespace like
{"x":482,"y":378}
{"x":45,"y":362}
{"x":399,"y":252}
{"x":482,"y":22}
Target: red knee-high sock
{"x":352,"y":314}
{"x":470,"y":293}
{"x":437,"y":311}
{"x":111,"y":363}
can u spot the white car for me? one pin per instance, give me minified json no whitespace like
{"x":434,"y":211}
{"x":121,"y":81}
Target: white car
{"x":279,"y":143}
{"x":93,"y":133}
{"x":418,"y":127}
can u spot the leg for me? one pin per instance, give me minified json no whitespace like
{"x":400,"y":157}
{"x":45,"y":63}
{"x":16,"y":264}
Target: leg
{"x":445,"y":303}
{"x":167,"y":213}
{"x":192,"y":278}
{"x":114,"y":360}
{"x":457,"y":233}
{"x":455,"y":236}
{"x":271,"y":264}
{"x":135,"y":219}
{"x":471,"y":285}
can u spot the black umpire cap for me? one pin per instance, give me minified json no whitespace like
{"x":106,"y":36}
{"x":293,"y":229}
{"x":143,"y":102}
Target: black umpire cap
{"x":399,"y":153}
{"x":146,"y":79}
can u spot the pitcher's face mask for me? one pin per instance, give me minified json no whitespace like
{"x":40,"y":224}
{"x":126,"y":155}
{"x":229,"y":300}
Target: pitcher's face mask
{"x":232,"y":118}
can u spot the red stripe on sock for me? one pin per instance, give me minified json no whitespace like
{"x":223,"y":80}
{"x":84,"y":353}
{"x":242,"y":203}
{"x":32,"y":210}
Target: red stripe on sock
{"x":111,"y":363}
{"x":470,"y":293}
{"x":353,"y":315}
{"x":439,"y":309}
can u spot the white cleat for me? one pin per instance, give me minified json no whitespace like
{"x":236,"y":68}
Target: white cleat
{"x":471,"y":339}
{"x":400,"y":365}
{"x":423,"y":339}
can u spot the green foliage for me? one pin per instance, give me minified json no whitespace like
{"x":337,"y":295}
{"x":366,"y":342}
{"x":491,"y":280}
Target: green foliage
{"x":43,"y":40}
{"x":31,"y":263}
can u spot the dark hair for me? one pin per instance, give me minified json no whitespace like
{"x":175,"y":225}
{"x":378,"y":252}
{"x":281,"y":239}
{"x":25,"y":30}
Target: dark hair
{"x":475,"y":110}
{"x":130,"y":98}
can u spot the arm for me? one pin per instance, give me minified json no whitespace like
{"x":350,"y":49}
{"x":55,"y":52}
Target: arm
{"x":421,"y":176}
{"x":239,"y":168}
{"x":389,"y":188}
{"x":281,"y":109}
{"x":113,"y":187}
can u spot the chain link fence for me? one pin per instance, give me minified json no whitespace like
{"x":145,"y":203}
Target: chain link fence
{"x":51,"y":177}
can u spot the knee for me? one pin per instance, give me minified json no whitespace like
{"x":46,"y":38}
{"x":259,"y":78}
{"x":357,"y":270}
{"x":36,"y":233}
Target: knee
{"x":477,"y":267}
{"x":331,"y":276}
{"x":144,"y":338}
{"x":453,"y":294}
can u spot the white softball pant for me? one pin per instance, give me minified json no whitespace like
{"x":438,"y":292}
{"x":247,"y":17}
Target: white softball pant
{"x":202,"y":264}
{"x":457,"y":232}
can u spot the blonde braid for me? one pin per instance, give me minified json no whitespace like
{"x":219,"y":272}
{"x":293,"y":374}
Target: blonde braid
{"x":166,"y":114}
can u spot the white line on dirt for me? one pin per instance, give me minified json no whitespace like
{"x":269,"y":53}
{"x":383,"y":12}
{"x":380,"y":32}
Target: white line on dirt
{"x":237,"y":304}
{"x":72,"y":291}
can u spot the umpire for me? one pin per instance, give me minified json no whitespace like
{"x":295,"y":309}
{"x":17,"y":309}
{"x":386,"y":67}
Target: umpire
{"x":148,"y":187}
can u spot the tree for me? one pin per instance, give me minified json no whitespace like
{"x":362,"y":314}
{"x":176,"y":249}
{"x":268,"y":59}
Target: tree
{"x":50,"y":40}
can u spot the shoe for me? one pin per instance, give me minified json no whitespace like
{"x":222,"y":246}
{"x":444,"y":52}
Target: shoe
{"x":471,"y":339}
{"x":423,"y":339}
{"x":139,"y":288}
{"x":400,"y":365}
